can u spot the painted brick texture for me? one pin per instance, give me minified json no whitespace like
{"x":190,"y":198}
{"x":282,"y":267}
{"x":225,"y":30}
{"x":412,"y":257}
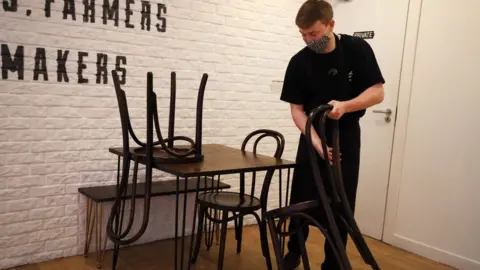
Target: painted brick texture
{"x":55,"y":135}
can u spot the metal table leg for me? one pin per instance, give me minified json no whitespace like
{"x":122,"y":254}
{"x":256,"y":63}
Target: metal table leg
{"x":89,"y":220}
{"x":184,"y":217}
{"x":94,"y":213}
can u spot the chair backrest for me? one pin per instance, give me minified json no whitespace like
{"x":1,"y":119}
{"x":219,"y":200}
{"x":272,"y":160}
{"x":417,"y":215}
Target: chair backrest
{"x":280,"y":146}
{"x":334,"y":176}
{"x":118,"y":205}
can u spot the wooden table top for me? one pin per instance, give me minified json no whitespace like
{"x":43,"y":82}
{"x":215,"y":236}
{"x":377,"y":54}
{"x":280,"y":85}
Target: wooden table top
{"x":220,"y":159}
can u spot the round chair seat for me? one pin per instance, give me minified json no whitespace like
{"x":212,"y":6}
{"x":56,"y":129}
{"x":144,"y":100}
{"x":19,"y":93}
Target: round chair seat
{"x":229,"y":201}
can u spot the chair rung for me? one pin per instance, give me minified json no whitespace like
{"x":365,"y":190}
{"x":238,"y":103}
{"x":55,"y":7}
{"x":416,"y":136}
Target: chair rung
{"x":298,"y":207}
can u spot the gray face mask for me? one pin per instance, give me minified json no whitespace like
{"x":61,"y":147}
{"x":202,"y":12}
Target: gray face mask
{"x":319,"y":45}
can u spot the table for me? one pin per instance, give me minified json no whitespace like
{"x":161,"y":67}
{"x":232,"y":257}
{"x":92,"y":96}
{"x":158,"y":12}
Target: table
{"x":218,"y":160}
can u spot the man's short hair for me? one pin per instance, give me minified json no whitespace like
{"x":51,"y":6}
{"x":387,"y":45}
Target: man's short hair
{"x":312,"y":11}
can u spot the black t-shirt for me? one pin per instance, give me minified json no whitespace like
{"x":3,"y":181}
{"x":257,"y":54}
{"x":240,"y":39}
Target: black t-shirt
{"x":313,"y":79}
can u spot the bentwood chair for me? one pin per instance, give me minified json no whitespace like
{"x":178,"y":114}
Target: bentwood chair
{"x":239,"y":203}
{"x":334,"y":204}
{"x":160,"y":150}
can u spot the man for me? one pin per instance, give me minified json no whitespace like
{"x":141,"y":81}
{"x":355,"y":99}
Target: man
{"x":340,"y":70}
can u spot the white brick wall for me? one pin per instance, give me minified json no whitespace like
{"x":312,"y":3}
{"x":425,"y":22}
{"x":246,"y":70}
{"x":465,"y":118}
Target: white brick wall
{"x":54,"y":136}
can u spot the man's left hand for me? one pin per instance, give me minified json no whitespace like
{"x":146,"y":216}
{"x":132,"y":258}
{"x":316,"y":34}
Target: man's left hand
{"x":338,"y":110}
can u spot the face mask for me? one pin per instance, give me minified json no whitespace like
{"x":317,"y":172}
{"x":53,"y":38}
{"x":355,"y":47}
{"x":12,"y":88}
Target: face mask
{"x":319,"y":45}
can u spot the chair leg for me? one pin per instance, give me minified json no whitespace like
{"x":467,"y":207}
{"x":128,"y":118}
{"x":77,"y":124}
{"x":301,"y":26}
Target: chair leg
{"x":276,"y":243}
{"x":301,"y":243}
{"x":262,"y":225}
{"x":116,"y":247}
{"x":118,"y":228}
{"x":116,"y":250}
{"x":339,"y":254}
{"x":223,"y":239}
{"x":235,"y":226}
{"x":238,"y":233}
{"x":264,"y":243}
{"x":210,"y":229}
{"x":217,"y":227}
{"x":198,"y":241}
{"x":359,"y":242}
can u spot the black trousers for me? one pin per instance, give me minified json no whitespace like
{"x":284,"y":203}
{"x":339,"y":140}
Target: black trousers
{"x":304,"y":188}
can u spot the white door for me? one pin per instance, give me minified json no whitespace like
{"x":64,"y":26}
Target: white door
{"x":434,"y":200}
{"x":387,"y":19}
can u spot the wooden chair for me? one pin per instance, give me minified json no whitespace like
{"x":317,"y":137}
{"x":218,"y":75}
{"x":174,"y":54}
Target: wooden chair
{"x":239,"y":203}
{"x":333,"y":204}
{"x":147,"y":153}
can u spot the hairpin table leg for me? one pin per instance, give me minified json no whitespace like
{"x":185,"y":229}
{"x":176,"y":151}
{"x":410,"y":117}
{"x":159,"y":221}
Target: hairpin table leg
{"x":94,"y":217}
{"x":100,"y":248}
{"x":89,"y":221}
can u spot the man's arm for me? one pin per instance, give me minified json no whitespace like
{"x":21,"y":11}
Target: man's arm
{"x":368,"y":98}
{"x":300,"y":119}
{"x":369,"y":81}
{"x":371,"y":96}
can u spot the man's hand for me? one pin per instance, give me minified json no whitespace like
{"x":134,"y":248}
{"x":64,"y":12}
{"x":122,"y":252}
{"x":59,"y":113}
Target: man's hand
{"x":300,"y":119}
{"x":330,"y":154}
{"x":338,"y":110}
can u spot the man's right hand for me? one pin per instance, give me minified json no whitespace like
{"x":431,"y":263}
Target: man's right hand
{"x":300,"y":119}
{"x":330,"y":154}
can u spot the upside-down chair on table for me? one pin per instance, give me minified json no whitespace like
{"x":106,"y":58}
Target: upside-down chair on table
{"x":150,"y":152}
{"x":332,"y":205}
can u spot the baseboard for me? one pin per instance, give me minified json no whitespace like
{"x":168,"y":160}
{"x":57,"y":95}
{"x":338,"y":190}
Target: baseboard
{"x":433,"y":253}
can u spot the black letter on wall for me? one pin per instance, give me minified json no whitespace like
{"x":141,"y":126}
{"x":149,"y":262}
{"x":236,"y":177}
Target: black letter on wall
{"x":13,"y":65}
{"x":69,"y":8}
{"x":61,"y":69}
{"x":48,"y":7}
{"x":110,"y":11}
{"x":121,"y":60}
{"x":146,"y":10}
{"x":81,"y":67}
{"x":40,"y":65}
{"x":102,"y":67}
{"x":163,"y":26}
{"x":128,"y":13}
{"x":12,"y":7}
{"x":89,"y":10}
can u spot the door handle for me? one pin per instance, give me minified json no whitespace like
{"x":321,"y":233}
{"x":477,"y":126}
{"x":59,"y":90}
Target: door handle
{"x":387,"y":112}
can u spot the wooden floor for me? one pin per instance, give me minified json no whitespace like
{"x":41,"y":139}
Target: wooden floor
{"x":159,"y":255}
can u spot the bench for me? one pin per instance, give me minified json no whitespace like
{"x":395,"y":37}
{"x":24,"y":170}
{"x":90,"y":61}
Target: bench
{"x":107,"y":193}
